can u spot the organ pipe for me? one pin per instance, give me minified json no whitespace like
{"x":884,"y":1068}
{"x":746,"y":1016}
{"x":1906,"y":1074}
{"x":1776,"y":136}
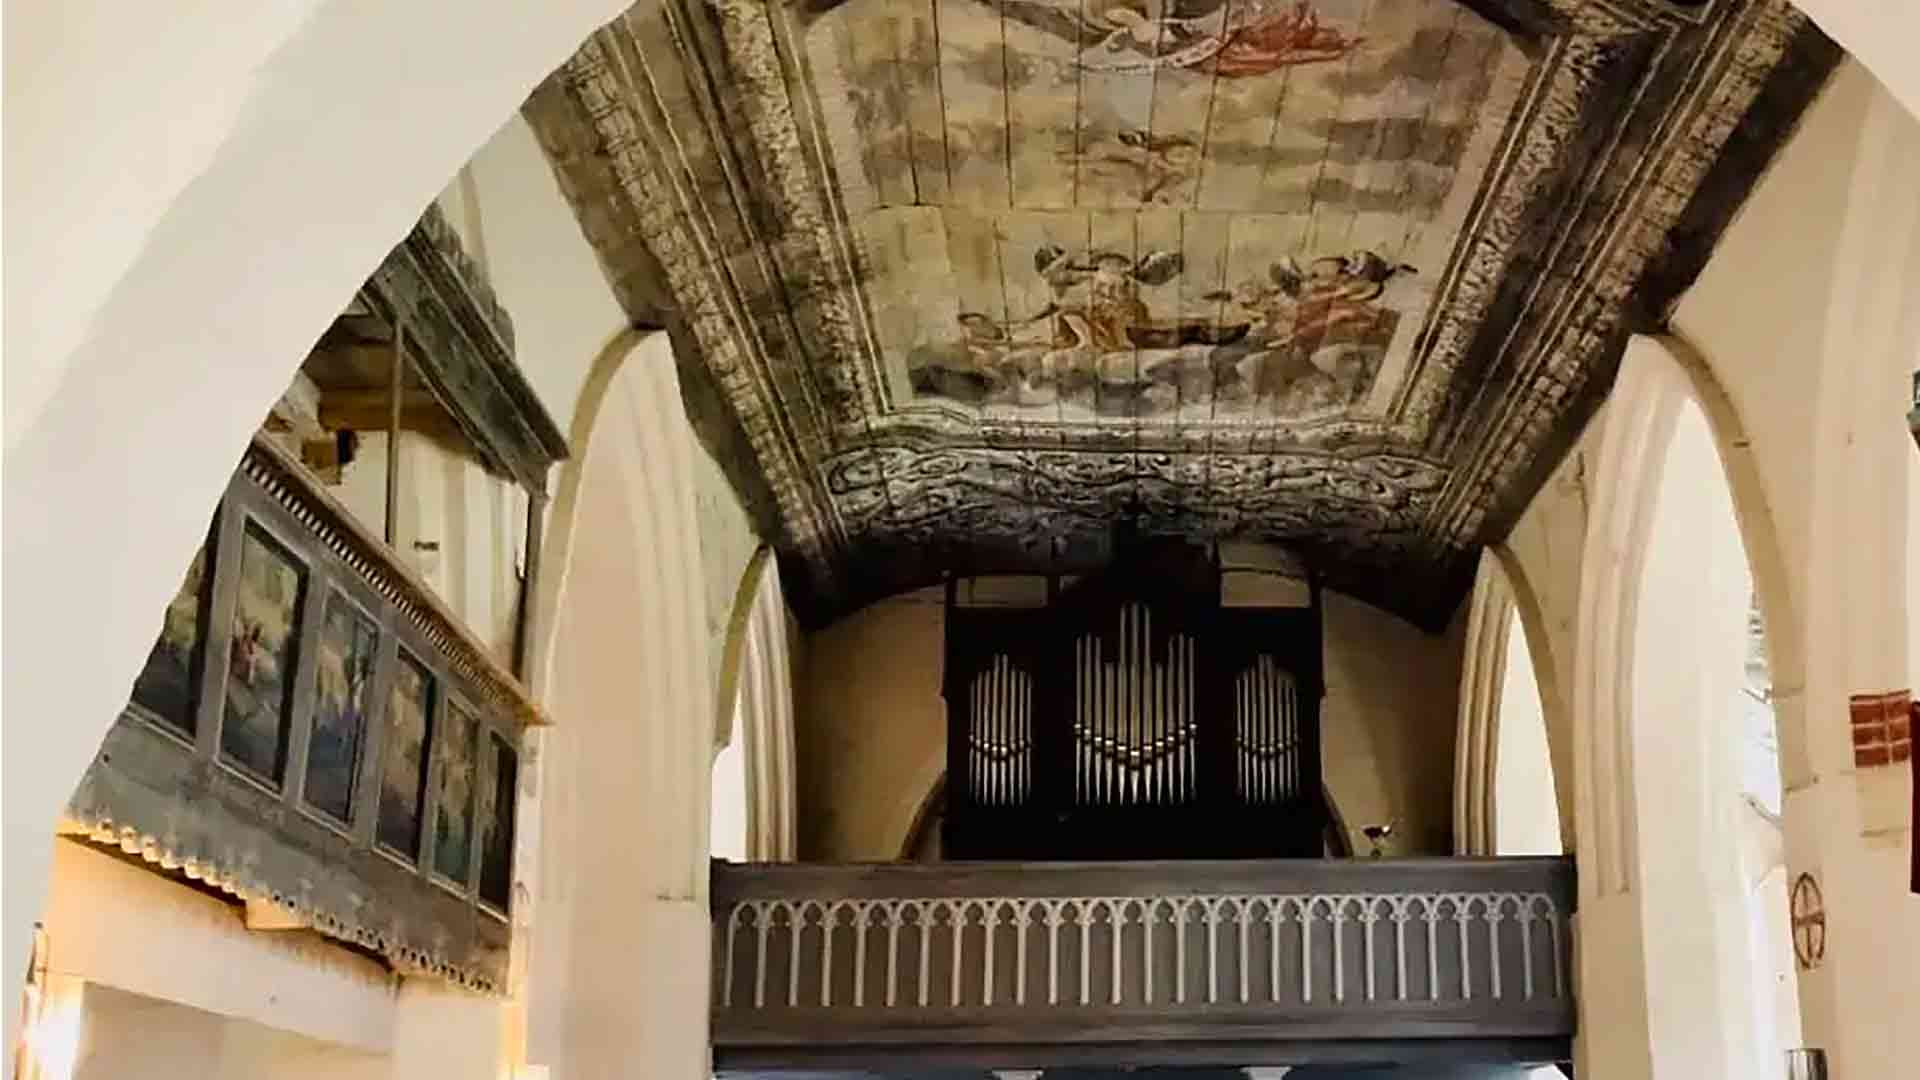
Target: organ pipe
{"x":1267,"y":733}
{"x":1000,"y":742}
{"x":1133,"y":715}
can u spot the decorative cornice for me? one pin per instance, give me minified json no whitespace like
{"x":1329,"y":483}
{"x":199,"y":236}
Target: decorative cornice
{"x":593,"y":110}
{"x":287,"y":483}
{"x":461,"y":340}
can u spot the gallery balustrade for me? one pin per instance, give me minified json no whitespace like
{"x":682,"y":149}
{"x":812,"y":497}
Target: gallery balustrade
{"x":997,"y":964}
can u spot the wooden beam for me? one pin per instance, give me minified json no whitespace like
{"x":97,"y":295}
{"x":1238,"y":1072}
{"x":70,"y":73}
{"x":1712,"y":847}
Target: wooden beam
{"x":370,"y":410}
{"x":357,"y":365}
{"x":396,"y":389}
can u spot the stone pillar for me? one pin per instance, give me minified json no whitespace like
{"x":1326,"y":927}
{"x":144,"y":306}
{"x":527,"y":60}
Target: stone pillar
{"x":1848,"y":804}
{"x":618,"y":950}
{"x":1609,"y":932}
{"x":1482,"y":679}
{"x":1687,"y":673}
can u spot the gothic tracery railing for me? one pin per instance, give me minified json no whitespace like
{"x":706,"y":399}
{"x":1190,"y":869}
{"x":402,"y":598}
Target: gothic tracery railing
{"x":1393,"y":948}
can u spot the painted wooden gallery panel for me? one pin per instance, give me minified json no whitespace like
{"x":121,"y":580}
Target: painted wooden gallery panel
{"x":312,"y":729}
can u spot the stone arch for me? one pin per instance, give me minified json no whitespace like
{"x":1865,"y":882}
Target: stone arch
{"x":1639,"y":425}
{"x":1658,"y":377}
{"x":1500,"y":598}
{"x":1818,"y":351}
{"x":616,"y":823}
{"x":166,"y":273}
{"x":923,"y":831}
{"x":1665,"y":399}
{"x":1760,"y":536}
{"x":1549,"y":680}
{"x":1489,"y":612}
{"x":755,"y":708}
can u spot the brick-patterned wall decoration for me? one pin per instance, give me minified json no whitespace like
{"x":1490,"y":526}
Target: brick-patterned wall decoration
{"x":1882,"y":728}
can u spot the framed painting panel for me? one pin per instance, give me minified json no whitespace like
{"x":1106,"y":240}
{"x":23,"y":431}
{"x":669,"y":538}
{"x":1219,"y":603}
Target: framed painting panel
{"x":496,"y":817}
{"x":262,"y":648}
{"x":403,"y":757}
{"x":458,"y":776}
{"x":168,"y":686}
{"x":348,"y":645}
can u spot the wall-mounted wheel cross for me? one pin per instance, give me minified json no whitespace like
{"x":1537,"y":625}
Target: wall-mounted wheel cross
{"x":1808,"y":913}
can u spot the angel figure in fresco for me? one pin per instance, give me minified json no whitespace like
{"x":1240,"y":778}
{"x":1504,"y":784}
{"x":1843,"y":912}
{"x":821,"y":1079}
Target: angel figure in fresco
{"x":1103,"y":288}
{"x":1323,"y":327}
{"x":1333,"y":299}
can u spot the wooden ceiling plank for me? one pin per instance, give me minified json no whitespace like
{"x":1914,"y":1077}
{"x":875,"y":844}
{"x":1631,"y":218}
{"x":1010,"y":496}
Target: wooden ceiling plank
{"x":1490,"y":168}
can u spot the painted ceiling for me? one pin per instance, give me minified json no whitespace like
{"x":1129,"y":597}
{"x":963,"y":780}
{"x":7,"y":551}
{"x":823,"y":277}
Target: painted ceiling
{"x":974,"y":285}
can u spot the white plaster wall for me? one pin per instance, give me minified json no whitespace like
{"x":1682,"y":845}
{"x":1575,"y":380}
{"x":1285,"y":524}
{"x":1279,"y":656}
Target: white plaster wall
{"x":727,"y":828}
{"x":753,"y":776}
{"x":872,"y":726}
{"x":1526,"y":802}
{"x":1542,"y":559}
{"x":510,"y":214}
{"x":191,"y":193}
{"x":1880,"y":34}
{"x":1689,"y":652}
{"x":871,"y":731}
{"x":1387,"y":724}
{"x":123,"y":1036}
{"x":728,"y":540}
{"x":126,"y":1036}
{"x":1816,"y":356}
{"x":115,"y":924}
{"x":441,"y":1031}
{"x":1801,"y":364}
{"x":507,"y":207}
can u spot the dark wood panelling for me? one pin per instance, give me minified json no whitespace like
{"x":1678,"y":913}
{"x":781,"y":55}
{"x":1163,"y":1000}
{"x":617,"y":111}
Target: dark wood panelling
{"x":173,"y":796}
{"x":1134,"y":717}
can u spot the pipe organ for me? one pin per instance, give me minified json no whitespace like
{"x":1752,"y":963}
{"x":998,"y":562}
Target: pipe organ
{"x":1133,"y":717}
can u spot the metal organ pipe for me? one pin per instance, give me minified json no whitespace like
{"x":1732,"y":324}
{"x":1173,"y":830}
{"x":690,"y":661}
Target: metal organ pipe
{"x":1189,"y":669}
{"x":1000,"y":739}
{"x":1268,"y":732}
{"x":1270,"y":769}
{"x":1132,"y":715}
{"x":1291,"y":739}
{"x":1003,"y":713}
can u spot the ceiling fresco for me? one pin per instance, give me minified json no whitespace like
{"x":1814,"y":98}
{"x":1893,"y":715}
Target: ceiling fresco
{"x":969,"y":285}
{"x":1185,"y":214}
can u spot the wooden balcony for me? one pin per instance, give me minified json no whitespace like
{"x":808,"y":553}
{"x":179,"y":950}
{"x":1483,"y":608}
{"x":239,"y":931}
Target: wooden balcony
{"x":317,"y":735}
{"x":1005,"y":965}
